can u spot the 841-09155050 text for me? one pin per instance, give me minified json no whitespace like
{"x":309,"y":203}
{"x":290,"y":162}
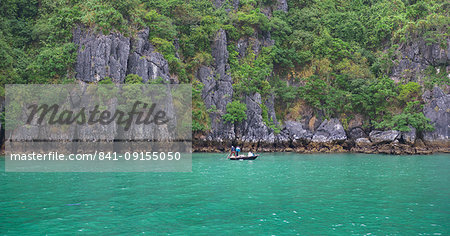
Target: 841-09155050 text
{"x":97,"y":156}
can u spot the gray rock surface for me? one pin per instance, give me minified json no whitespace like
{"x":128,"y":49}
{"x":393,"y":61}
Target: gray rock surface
{"x":236,"y":4}
{"x":218,"y":90}
{"x":409,"y":137}
{"x":362,"y":141}
{"x":270,"y":104}
{"x":377,"y":136}
{"x":116,"y":56}
{"x":357,"y":133}
{"x":241,"y":47}
{"x":220,"y":55}
{"x":255,"y":42}
{"x":328,"y":131}
{"x":144,"y":61}
{"x":416,"y":55}
{"x":282,"y":5}
{"x":217,"y":93}
{"x":437,"y":109}
{"x":100,"y":55}
{"x":254,"y":129}
{"x":295,"y":131}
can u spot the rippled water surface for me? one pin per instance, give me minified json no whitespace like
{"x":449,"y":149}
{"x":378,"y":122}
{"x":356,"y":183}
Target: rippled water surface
{"x":277,"y":194}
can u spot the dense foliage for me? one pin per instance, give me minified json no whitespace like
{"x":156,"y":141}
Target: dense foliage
{"x":334,"y":56}
{"x":235,"y":112}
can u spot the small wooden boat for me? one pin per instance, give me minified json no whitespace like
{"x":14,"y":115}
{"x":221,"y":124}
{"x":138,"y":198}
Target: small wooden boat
{"x":243,"y":157}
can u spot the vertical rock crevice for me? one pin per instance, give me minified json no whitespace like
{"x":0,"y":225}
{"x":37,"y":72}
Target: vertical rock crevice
{"x":218,"y":90}
{"x":415,"y":56}
{"x":145,"y":61}
{"x":437,"y":109}
{"x":117,"y":56}
{"x":100,"y":56}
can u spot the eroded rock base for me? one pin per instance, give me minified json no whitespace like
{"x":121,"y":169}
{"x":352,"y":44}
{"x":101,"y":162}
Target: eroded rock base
{"x":394,"y":148}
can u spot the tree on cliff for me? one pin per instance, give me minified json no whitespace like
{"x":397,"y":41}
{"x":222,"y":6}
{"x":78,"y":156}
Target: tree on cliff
{"x":235,"y":112}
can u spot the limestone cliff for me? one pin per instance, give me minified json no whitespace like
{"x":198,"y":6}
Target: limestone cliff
{"x":415,"y":56}
{"x":218,"y":89}
{"x":100,"y":56}
{"x":437,"y":109}
{"x":116,"y":56}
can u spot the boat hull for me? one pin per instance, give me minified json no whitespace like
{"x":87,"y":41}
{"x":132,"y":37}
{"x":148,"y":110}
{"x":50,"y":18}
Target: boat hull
{"x":243,"y":158}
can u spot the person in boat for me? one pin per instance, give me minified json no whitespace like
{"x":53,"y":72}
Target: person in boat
{"x":233,"y":151}
{"x":238,"y":150}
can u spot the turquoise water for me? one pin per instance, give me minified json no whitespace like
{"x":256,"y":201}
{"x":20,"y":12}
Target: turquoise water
{"x":277,"y":194}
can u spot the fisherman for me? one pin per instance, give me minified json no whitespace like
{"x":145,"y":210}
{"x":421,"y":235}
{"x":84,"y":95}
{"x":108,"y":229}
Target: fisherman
{"x":233,"y":151}
{"x":238,"y":149}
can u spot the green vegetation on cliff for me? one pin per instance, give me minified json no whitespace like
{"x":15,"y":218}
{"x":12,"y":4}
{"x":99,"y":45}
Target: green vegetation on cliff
{"x":334,"y":56}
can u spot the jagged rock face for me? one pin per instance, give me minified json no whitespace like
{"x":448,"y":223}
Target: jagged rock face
{"x":256,"y":42}
{"x":357,"y":133}
{"x":217,"y":93}
{"x":362,"y":141}
{"x":282,"y":5}
{"x":116,"y":56}
{"x":220,"y":54}
{"x":416,"y":56}
{"x":144,"y":61}
{"x":329,"y":131}
{"x":378,"y":136}
{"x":242,"y":45}
{"x":218,"y":90}
{"x":254,"y":129}
{"x":101,"y":55}
{"x":409,"y":137}
{"x":437,"y":109}
{"x":270,"y":104}
{"x":295,"y":131}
